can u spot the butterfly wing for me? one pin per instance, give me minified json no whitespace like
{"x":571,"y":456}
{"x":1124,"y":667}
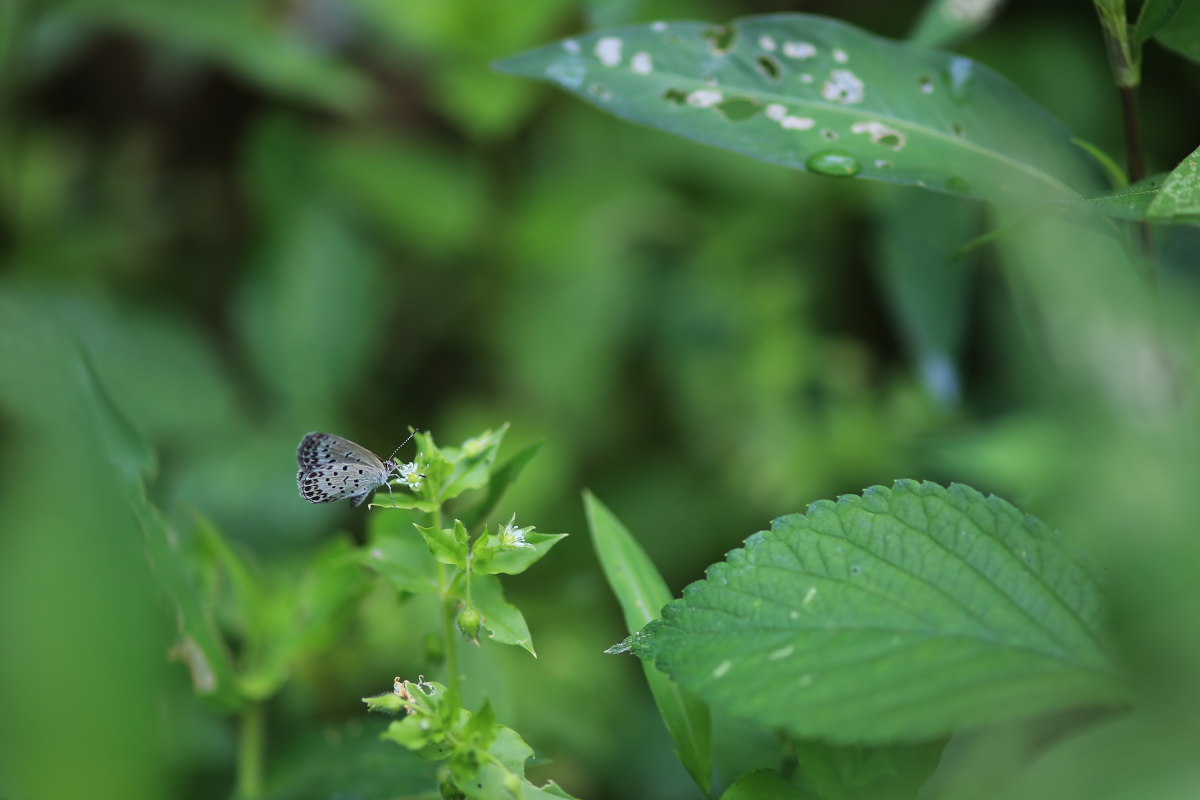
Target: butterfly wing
{"x":332,"y":468}
{"x":321,"y":449}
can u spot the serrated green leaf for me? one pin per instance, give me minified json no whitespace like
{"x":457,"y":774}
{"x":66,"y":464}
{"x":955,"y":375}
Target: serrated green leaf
{"x":504,"y":621}
{"x":817,"y":94}
{"x":642,"y":593}
{"x":1180,"y":193}
{"x":896,"y":616}
{"x":498,"y":482}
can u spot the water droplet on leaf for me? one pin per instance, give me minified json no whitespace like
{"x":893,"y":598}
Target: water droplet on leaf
{"x":837,"y":163}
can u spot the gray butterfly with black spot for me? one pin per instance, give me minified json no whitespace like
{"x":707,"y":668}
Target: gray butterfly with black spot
{"x":333,"y":468}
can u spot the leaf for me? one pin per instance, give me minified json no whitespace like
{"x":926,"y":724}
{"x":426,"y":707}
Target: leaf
{"x":765,"y":784}
{"x":1181,"y":32}
{"x":305,"y":609}
{"x":493,"y":558}
{"x":1180,"y":193}
{"x":1129,"y":202}
{"x":855,"y":772}
{"x":1152,"y":17}
{"x":896,"y":616}
{"x":925,"y":286}
{"x":399,"y":554}
{"x":349,"y":760}
{"x":450,"y":471}
{"x":817,"y":94}
{"x":501,"y":775}
{"x":498,"y":482}
{"x":447,"y":546}
{"x":504,"y":621}
{"x":642,"y":593}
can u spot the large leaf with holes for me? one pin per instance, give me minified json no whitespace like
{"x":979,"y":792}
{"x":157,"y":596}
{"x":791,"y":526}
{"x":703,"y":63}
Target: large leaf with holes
{"x":899,"y":615}
{"x":820,"y":95}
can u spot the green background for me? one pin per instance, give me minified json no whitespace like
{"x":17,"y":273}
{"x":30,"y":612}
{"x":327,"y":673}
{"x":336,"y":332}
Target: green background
{"x":228,"y":224}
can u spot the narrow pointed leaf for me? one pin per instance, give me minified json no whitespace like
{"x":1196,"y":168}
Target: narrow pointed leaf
{"x":899,"y":615}
{"x":817,"y":94}
{"x":642,"y":592}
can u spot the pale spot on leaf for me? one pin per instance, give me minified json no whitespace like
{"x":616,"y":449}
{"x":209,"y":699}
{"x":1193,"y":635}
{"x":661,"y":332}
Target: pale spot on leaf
{"x":642,"y":63}
{"x":843,"y":86}
{"x":880,"y":133}
{"x":608,"y":50}
{"x":799,"y":50}
{"x":703,"y":98}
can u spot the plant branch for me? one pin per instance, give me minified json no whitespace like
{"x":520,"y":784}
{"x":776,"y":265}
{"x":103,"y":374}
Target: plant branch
{"x":250,"y":753}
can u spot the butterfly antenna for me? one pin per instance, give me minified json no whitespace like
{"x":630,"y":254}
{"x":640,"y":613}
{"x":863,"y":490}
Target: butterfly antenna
{"x":406,"y":441}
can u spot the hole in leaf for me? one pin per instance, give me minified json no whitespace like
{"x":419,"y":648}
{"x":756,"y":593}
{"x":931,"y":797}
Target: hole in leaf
{"x":738,"y":109}
{"x":957,"y":129}
{"x":829,"y":135}
{"x":769,"y":67}
{"x":721,"y":38}
{"x":676,"y":96}
{"x":600,"y":92}
{"x":890,"y":140}
{"x":926,"y":83}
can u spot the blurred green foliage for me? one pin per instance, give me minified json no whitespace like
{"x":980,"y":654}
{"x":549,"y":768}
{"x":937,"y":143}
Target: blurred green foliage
{"x":225,"y":224}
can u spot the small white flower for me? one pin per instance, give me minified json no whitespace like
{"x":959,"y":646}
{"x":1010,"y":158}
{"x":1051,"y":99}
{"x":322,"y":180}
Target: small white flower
{"x":513,"y":537}
{"x":411,"y":475}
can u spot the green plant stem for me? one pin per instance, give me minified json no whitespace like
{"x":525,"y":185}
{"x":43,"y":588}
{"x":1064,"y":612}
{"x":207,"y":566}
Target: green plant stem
{"x":250,"y":753}
{"x":449,"y":631}
{"x":1125,"y":55}
{"x":1135,"y":164}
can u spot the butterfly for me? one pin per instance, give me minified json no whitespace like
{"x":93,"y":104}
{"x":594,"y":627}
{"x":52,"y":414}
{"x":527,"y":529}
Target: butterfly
{"x":332,"y":468}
